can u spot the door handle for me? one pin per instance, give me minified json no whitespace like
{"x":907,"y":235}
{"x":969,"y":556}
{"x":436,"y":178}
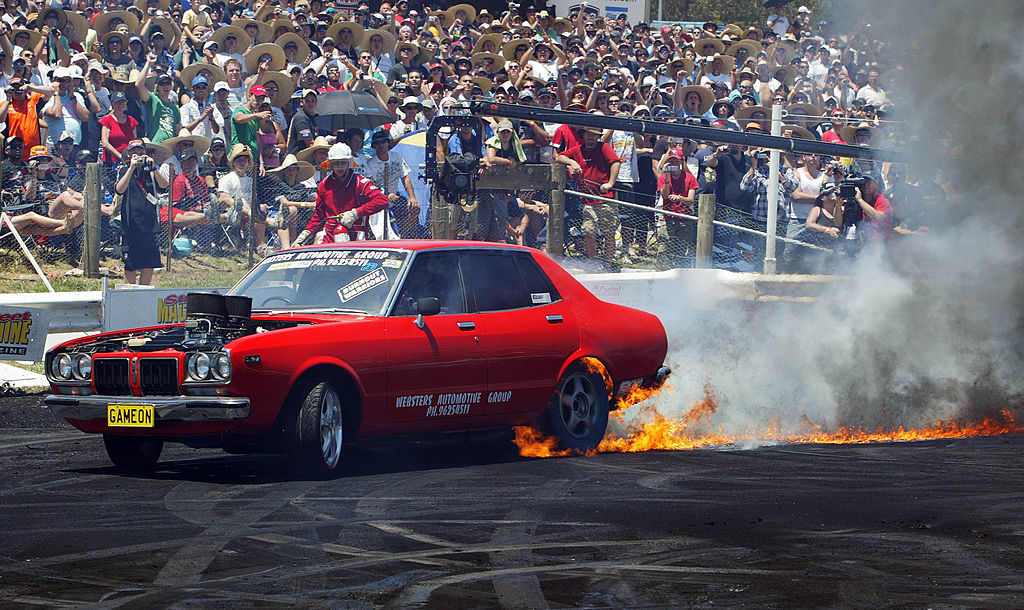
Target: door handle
{"x":467,"y":326}
{"x":555,"y":319}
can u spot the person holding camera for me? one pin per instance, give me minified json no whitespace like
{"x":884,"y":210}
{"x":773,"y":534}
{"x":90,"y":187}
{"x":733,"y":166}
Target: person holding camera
{"x":756,"y":181}
{"x":138,"y":182}
{"x":21,"y":112}
{"x":876,"y":208}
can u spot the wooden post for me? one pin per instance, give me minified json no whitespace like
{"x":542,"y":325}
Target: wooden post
{"x":92,"y":197}
{"x":705,"y":231}
{"x":556,"y":211}
{"x":439,"y":215}
{"x":253,"y":206}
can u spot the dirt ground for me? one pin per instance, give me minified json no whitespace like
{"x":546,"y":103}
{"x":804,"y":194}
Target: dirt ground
{"x":465,"y":522}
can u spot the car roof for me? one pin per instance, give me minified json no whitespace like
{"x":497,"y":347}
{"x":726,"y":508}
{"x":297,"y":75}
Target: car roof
{"x":410,"y":244}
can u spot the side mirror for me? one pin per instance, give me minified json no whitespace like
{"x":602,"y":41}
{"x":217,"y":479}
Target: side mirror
{"x":427,"y":306}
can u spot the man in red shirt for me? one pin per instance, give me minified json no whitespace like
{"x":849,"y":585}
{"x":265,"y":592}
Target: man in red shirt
{"x":344,"y":201}
{"x":876,"y":208}
{"x":678,"y":188}
{"x":597,"y":167}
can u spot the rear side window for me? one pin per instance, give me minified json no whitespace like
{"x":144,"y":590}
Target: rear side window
{"x":498,"y":281}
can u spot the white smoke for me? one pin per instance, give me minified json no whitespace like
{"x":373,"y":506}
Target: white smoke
{"x":931,"y":330}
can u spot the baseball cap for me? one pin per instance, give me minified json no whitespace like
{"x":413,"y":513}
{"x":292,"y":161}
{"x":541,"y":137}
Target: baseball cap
{"x":164,"y":77}
{"x":752,"y":125}
{"x":211,"y":44}
{"x":85,"y":156}
{"x":828,"y":189}
{"x":65,"y":135}
{"x":306,"y":92}
{"x":221,"y":86}
{"x":525,"y":94}
{"x":380,"y":136}
{"x":188,"y":153}
{"x":118,"y":96}
{"x":676,"y":152}
{"x":258,"y":91}
{"x":411,"y":100}
{"x":135,"y":144}
{"x":428,"y":103}
{"x":505,"y":125}
{"x":200,"y":79}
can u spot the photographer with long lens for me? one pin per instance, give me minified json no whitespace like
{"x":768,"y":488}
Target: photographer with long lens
{"x":140,"y":224}
{"x":862,"y":200}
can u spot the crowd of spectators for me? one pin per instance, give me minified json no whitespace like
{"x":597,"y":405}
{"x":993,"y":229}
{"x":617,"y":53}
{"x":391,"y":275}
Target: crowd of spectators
{"x":222,"y":93}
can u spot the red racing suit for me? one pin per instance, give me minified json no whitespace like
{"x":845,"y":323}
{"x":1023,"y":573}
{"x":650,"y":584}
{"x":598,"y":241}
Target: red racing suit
{"x":334,"y":197}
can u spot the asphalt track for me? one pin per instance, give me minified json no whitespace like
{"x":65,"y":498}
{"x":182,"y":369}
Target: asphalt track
{"x":465,"y":522}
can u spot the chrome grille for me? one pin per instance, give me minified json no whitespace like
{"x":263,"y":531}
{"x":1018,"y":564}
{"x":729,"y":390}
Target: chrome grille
{"x":158,"y":376}
{"x":110,"y":376}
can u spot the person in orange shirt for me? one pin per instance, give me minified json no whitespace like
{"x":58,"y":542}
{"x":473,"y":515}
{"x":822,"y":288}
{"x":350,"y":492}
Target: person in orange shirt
{"x":21,"y":111}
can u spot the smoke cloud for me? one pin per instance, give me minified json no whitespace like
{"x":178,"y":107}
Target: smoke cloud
{"x":933,"y":328}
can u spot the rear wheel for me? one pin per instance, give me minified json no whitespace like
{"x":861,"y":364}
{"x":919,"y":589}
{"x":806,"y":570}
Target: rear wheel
{"x":578,"y":415}
{"x":318,"y":439}
{"x":131,"y":453}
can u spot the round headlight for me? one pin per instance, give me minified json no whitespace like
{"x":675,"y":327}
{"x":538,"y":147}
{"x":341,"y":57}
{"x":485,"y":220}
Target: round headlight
{"x":82,"y":366}
{"x":222,"y":366}
{"x":202,"y":366}
{"x":64,"y":366}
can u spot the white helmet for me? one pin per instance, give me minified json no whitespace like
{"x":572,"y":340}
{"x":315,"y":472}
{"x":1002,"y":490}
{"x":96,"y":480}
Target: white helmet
{"x":339,"y":152}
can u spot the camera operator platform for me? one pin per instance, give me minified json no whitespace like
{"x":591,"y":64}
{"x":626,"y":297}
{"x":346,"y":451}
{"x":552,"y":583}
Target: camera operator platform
{"x":140,"y":221}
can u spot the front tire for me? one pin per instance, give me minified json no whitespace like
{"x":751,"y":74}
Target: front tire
{"x":578,"y":416}
{"x":133,"y":454}
{"x":318,"y":439}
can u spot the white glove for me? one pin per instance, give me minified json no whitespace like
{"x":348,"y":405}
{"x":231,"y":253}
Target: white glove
{"x":349,"y":218}
{"x":302,"y":238}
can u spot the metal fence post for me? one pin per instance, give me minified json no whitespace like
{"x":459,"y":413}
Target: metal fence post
{"x":92,"y":198}
{"x":705,"y":231}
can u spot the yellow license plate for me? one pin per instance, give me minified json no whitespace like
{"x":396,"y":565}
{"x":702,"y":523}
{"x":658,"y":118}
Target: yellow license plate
{"x":130,"y":416}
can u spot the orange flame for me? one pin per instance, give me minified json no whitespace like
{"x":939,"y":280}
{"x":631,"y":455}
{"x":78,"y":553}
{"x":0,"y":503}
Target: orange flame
{"x":651,"y":430}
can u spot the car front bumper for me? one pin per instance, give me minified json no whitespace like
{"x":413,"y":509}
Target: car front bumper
{"x":167,"y":408}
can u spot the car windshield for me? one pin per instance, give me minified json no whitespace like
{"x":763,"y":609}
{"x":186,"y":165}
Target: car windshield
{"x":335,"y":280}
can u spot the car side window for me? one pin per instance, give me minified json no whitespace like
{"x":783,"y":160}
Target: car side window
{"x":539,"y":287}
{"x":433,"y":274}
{"x":494,"y":281}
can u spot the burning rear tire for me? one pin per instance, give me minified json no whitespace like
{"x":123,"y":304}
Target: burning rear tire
{"x":578,"y":415}
{"x":318,"y":436}
{"x":133,"y":454}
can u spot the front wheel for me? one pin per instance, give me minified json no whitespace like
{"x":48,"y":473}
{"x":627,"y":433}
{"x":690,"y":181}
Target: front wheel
{"x":131,"y":453}
{"x":578,"y":415}
{"x":318,"y":438}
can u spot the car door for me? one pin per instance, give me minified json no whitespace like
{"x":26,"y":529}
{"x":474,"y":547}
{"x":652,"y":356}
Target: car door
{"x":530,"y":329}
{"x":439,"y":370}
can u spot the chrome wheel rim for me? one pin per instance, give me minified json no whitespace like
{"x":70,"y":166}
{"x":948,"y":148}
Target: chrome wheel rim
{"x":577,"y":405}
{"x":330,"y":428}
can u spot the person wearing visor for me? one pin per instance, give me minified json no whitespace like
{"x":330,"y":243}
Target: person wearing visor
{"x":344,"y":201}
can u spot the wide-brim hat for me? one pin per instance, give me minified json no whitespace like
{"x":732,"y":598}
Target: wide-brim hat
{"x":786,"y":51}
{"x":338,"y":26}
{"x":387,"y":39}
{"x":499,"y":61}
{"x":726,"y":103}
{"x":159,"y":152}
{"x":789,"y":74}
{"x":124,"y":39}
{"x":728,"y":62}
{"x":799,"y":132}
{"x":733,"y":29}
{"x":239,"y":150}
{"x":577,"y":88}
{"x":707,"y":96}
{"x":39,"y":22}
{"x":306,"y":169}
{"x":201,"y":144}
{"x":285,"y":86}
{"x":495,"y":38}
{"x":102,"y":22}
{"x":470,"y":13}
{"x":33,"y":37}
{"x":752,"y":46}
{"x":167,"y":27}
{"x":420,"y":54}
{"x":122,"y":74}
{"x":143,"y":5}
{"x":282,"y":21}
{"x":808,"y":112}
{"x":302,"y":54}
{"x":244,"y":41}
{"x":752,"y":30}
{"x":276,"y":53}
{"x":563,"y":25}
{"x":485,"y":84}
{"x":382,"y":89}
{"x":700,"y":43}
{"x":189,"y":72}
{"x":684,"y":63}
{"x":319,"y":143}
{"x":263,"y":34}
{"x":81,"y":26}
{"x":745,"y":115}
{"x":508,"y":50}
{"x":849,"y":133}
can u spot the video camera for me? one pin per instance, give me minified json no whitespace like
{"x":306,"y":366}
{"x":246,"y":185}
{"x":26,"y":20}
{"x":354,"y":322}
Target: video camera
{"x":852,"y":214}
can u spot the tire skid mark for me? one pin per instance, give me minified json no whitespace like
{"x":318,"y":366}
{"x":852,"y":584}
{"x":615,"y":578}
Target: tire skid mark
{"x":73,"y":558}
{"x":48,"y":484}
{"x":40,"y":439}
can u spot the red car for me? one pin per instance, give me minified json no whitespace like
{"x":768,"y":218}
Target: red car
{"x":320,"y":345}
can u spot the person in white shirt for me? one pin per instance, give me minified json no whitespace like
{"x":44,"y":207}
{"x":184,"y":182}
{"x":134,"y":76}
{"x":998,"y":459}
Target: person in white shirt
{"x":234,"y":190}
{"x":389,"y":171}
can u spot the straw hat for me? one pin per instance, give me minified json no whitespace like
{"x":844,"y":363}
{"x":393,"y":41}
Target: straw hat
{"x":849,"y":133}
{"x":509,"y":50}
{"x":479,"y":46}
{"x":285,"y":86}
{"x":252,"y":57}
{"x":680,"y":63}
{"x":239,"y":150}
{"x":159,"y":152}
{"x":264,"y":33}
{"x":499,"y":61}
{"x":733,"y":30}
{"x":700,"y":45}
{"x":420,"y":54}
{"x":470,"y":13}
{"x":752,"y":46}
{"x":189,"y":72}
{"x":282,"y":21}
{"x":123,"y":74}
{"x":319,"y":143}
{"x":382,"y":90}
{"x":583,"y":88}
{"x":81,"y":26}
{"x":745,"y":115}
{"x":167,"y":27}
{"x":756,"y":31}
{"x":142,"y":5}
{"x":102,"y":22}
{"x":387,"y":38}
{"x":789,"y":74}
{"x":813,"y":114}
{"x":484,"y":83}
{"x":798,"y":132}
{"x":201,"y":144}
{"x":244,"y":41}
{"x":306,"y":169}
{"x":338,"y":26}
{"x":728,"y":62}
{"x":563,"y":25}
{"x":707,"y":96}
{"x":302,"y":54}
{"x":62,"y":18}
{"x":34,"y":36}
{"x":124,"y":39}
{"x":785,"y":52}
